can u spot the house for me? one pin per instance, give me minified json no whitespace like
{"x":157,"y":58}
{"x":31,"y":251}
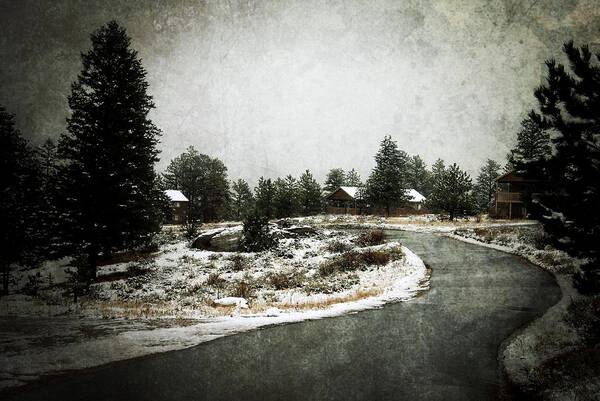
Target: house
{"x":346,"y":200}
{"x":511,"y":189}
{"x":179,"y":206}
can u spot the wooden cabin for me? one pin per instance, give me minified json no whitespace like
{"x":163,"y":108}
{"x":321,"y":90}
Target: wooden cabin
{"x":511,"y":189}
{"x":179,"y":206}
{"x":347,"y":200}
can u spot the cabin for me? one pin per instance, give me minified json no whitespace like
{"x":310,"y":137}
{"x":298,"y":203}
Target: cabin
{"x":511,"y":189}
{"x":347,"y":200}
{"x":179,"y":206}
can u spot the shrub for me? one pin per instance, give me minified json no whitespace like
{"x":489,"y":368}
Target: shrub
{"x":337,"y":247}
{"x":396,"y":253}
{"x":370,"y":238}
{"x":191,"y":229}
{"x":239,"y":263}
{"x":584,"y":316}
{"x":33,"y":285}
{"x":242,"y":289}
{"x":215,"y":280}
{"x":378,"y":258}
{"x":283,"y":281}
{"x":256,"y":236}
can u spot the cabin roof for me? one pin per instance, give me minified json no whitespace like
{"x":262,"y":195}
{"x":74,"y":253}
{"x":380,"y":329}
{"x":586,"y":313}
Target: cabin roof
{"x":513,"y":176}
{"x":175,"y":195}
{"x":412,"y":194}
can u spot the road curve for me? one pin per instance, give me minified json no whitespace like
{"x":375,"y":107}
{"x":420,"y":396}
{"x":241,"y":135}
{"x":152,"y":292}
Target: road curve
{"x":440,"y":346}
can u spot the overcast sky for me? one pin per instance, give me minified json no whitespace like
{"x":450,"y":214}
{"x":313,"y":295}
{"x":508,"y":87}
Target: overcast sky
{"x":275,"y":87}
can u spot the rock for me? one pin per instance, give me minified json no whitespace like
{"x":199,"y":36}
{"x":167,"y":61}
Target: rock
{"x":232,"y":301}
{"x":219,"y":240}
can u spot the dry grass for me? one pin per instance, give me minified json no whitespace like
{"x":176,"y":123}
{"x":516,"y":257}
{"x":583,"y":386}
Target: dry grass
{"x":329,"y":301}
{"x":371,"y":238}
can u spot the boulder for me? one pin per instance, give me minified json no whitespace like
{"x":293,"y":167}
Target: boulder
{"x":219,"y":240}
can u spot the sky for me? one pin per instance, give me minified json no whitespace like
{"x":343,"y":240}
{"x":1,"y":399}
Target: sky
{"x":276,"y":87}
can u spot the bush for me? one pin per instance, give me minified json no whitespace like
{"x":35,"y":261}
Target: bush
{"x":396,"y":253}
{"x":191,"y":229}
{"x":377,"y":258}
{"x":370,"y":238}
{"x":584,"y":316}
{"x":242,"y":289}
{"x":337,"y":247}
{"x":33,"y":285}
{"x":256,"y":236}
{"x":239,"y":263}
{"x":283,"y":281}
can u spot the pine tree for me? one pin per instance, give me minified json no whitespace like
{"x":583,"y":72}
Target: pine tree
{"x":264,"y":194}
{"x":109,"y":151}
{"x":417,"y":176}
{"x":352,"y":179}
{"x":49,"y":213}
{"x":203,"y":180}
{"x":533,"y":147}
{"x":451,"y":191}
{"x":335,"y":179}
{"x":19,"y":196}
{"x":242,"y":200}
{"x":386,"y":185}
{"x":485,"y":186}
{"x":311,"y":201}
{"x":286,"y":199}
{"x":569,"y":104}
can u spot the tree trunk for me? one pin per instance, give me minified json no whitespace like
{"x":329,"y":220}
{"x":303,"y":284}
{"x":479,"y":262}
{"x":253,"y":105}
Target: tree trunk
{"x":92,"y":262}
{"x":451,"y":215}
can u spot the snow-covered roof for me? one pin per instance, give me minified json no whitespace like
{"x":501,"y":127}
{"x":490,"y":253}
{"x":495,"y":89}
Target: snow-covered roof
{"x":175,"y":195}
{"x":350,"y":190}
{"x":414,"y":195}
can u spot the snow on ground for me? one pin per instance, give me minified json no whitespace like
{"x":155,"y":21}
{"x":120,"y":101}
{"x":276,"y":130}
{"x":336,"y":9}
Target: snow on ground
{"x":180,"y":297}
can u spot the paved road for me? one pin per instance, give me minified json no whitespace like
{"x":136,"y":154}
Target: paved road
{"x":441,"y":346}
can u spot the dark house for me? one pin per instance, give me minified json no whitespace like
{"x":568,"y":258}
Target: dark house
{"x":511,"y":190}
{"x":179,"y":206}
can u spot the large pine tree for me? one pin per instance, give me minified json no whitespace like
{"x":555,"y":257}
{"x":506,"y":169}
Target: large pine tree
{"x":417,"y":176}
{"x":264,"y":194}
{"x":533,"y":147}
{"x":569,"y":105}
{"x":19,"y":199}
{"x":110,"y":150}
{"x":386,"y":185}
{"x":352,"y":179}
{"x":286,"y":200}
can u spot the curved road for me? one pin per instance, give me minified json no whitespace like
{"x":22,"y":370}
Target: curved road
{"x":440,"y":346}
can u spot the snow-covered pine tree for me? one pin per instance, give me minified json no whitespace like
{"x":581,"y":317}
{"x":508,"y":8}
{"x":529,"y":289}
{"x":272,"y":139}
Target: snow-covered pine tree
{"x":109,"y":151}
{"x":485,"y":187}
{"x":386,"y":185}
{"x":569,"y":104}
{"x":451,"y":191}
{"x":352,"y":179}
{"x":19,"y":199}
{"x":49,"y":213}
{"x":311,"y":201}
{"x":263,"y":195}
{"x":242,"y":200}
{"x":335,"y":179}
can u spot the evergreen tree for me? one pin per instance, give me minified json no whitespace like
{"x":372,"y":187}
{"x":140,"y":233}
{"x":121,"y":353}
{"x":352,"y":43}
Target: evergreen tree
{"x":533,"y":147}
{"x":451,"y":191}
{"x":264,"y":194}
{"x":286,"y":200}
{"x":109,"y":151}
{"x":335,"y":179}
{"x":242,"y":200}
{"x":352,"y":179}
{"x":203,"y":180}
{"x":386,"y":185}
{"x":569,"y":104}
{"x":417,"y":176}
{"x":311,"y":201}
{"x":19,"y":186}
{"x":485,"y":188}
{"x":49,"y":214}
